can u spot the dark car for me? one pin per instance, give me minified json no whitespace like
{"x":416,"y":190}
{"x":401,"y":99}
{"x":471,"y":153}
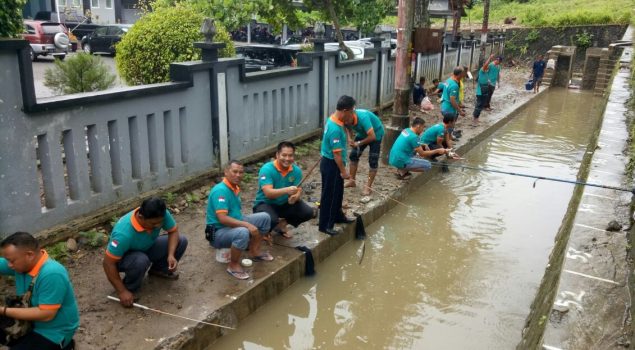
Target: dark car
{"x":266,"y":57}
{"x":104,"y":38}
{"x":46,"y":38}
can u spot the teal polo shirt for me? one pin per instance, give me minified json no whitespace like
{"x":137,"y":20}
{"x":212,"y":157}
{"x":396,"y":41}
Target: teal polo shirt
{"x":271,"y":174}
{"x":483,"y":79}
{"x":52,"y":291}
{"x":128,"y":234}
{"x":493,"y":73}
{"x":366,"y":120}
{"x":223,"y":198}
{"x":334,"y":139}
{"x":451,"y":89}
{"x":430,"y":135}
{"x":403,"y":148}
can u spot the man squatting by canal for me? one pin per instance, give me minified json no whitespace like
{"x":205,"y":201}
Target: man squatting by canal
{"x":47,"y":297}
{"x":369,"y":131}
{"x":228,"y":228}
{"x":279,"y":194}
{"x":136,"y":247}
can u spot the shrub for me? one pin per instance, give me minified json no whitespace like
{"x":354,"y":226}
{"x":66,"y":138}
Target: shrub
{"x":11,"y":18}
{"x":160,"y":38}
{"x":583,"y":40}
{"x":80,"y":73}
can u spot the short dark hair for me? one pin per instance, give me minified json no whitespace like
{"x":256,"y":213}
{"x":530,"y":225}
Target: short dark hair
{"x":21,"y":240}
{"x":417,"y":121}
{"x":284,"y":144}
{"x":153,"y":207}
{"x":422,"y":79}
{"x":345,"y":103}
{"x":457,"y":70}
{"x":435,"y":81}
{"x":448,"y":119}
{"x":233,"y":161}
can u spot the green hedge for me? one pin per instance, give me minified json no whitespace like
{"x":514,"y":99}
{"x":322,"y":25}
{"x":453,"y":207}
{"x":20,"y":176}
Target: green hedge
{"x":11,"y":18}
{"x":162,"y":37}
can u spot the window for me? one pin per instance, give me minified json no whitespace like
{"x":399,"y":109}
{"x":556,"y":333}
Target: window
{"x":101,"y":31}
{"x":94,"y":4}
{"x":108,"y":4}
{"x":29,"y":29}
{"x":75,"y":3}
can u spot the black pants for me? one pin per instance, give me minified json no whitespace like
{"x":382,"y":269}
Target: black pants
{"x":489,"y":95}
{"x":295,"y":213}
{"x":33,"y":341}
{"x":481,"y":101}
{"x":332,"y":195}
{"x":373,"y":154}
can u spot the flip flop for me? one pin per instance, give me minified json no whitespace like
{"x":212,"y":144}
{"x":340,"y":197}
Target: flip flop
{"x":262,"y":257}
{"x":241,"y":275}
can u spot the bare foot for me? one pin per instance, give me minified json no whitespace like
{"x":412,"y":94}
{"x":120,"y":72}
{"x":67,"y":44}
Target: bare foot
{"x":350,"y":183}
{"x":366,"y":191}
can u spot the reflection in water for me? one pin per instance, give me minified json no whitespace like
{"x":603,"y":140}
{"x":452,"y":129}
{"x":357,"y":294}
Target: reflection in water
{"x":459,"y":267}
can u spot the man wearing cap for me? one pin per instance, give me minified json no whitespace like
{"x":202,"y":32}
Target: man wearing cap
{"x":135,"y":247}
{"x":52,"y":307}
{"x":368,"y":133}
{"x":494,"y":75}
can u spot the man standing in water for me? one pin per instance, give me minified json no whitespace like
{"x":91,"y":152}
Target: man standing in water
{"x":537,"y":71}
{"x":369,"y":132}
{"x":333,"y":166}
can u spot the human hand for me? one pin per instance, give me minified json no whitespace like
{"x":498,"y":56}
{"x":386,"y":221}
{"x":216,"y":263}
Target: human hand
{"x":462,"y":113}
{"x":253,"y":230}
{"x":344,"y":175}
{"x":294,"y":198}
{"x":291,"y":190}
{"x":172,"y":263}
{"x":126,"y":298}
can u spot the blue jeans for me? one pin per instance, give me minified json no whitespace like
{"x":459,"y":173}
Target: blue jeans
{"x":135,"y":263}
{"x":238,"y":237}
{"x":418,"y":163}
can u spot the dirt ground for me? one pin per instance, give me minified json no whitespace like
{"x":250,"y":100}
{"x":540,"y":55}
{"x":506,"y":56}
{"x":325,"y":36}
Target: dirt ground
{"x":204,"y":286}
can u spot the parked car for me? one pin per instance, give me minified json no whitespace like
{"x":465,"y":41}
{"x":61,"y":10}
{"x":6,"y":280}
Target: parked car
{"x":78,"y":25}
{"x":262,"y":57}
{"x":46,"y":38}
{"x":104,"y":38}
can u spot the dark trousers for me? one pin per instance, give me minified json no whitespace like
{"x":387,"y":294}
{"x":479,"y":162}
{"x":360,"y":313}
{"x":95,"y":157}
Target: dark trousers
{"x":135,"y":263}
{"x":489,"y":95}
{"x":433,"y":146}
{"x":295,"y":213}
{"x":35,"y":341}
{"x":332,"y":195}
{"x":480,"y":103}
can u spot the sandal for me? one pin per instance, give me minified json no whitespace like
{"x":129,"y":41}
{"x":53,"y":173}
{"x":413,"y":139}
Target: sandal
{"x":241,"y":275}
{"x":262,"y":257}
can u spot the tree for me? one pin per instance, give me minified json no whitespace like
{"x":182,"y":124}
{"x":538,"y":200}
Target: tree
{"x":369,"y":13}
{"x":481,"y":56}
{"x":161,"y":37}
{"x":80,"y":73}
{"x":11,"y":18}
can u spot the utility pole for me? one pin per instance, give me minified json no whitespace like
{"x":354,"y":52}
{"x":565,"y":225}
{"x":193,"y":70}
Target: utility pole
{"x":400,"y":119}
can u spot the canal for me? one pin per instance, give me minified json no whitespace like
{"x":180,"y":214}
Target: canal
{"x":458,"y":265}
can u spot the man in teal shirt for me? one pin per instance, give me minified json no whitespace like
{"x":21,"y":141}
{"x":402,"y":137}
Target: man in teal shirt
{"x":52,"y":306}
{"x":333,"y":166}
{"x":450,"y":106}
{"x":404,"y":152}
{"x":494,"y":78}
{"x":368,"y":132}
{"x":135,"y":247}
{"x":482,"y":90}
{"x":438,"y":136}
{"x":227,"y":228}
{"x":278,"y":192}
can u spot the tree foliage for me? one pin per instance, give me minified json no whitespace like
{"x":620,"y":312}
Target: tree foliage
{"x":79,"y":73}
{"x":11,"y":18}
{"x":161,"y":37}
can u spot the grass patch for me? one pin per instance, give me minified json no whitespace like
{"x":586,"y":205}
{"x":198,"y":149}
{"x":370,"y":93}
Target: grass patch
{"x":58,"y":252}
{"x":94,"y":239}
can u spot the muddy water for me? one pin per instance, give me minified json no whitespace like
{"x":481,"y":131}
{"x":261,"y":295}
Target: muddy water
{"x":458,"y":267}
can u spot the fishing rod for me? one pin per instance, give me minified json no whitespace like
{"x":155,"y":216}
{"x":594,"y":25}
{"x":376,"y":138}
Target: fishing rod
{"x":309,"y":172}
{"x":575,"y":182}
{"x":386,"y":196}
{"x":169,"y":314}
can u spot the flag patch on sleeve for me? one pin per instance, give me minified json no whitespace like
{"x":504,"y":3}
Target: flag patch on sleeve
{"x":114,"y":243}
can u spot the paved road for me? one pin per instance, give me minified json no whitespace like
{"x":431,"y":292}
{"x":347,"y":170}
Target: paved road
{"x":43,"y":63}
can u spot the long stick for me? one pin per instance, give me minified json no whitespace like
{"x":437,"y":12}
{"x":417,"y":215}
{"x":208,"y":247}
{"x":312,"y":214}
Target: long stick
{"x":169,"y":314}
{"x":575,"y":182}
{"x":309,"y":172}
{"x":386,"y":196}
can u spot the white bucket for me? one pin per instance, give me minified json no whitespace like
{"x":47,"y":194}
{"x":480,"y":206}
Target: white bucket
{"x":223,"y":255}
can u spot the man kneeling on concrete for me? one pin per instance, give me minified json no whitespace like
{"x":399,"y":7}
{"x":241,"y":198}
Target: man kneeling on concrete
{"x":135,"y":246}
{"x":278,"y":193}
{"x":45,"y":293}
{"x":226,"y":226}
{"x":408,"y":155}
{"x":438,"y":135}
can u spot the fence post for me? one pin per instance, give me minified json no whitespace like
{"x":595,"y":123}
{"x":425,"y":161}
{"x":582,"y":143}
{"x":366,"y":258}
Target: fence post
{"x":379,"y":56}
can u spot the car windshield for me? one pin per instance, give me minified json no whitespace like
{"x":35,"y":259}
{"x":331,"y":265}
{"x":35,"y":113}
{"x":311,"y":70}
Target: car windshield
{"x":52,"y":28}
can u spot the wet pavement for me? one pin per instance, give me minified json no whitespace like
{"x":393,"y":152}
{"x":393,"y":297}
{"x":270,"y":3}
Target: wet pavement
{"x":591,"y":309}
{"x":457,"y":265}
